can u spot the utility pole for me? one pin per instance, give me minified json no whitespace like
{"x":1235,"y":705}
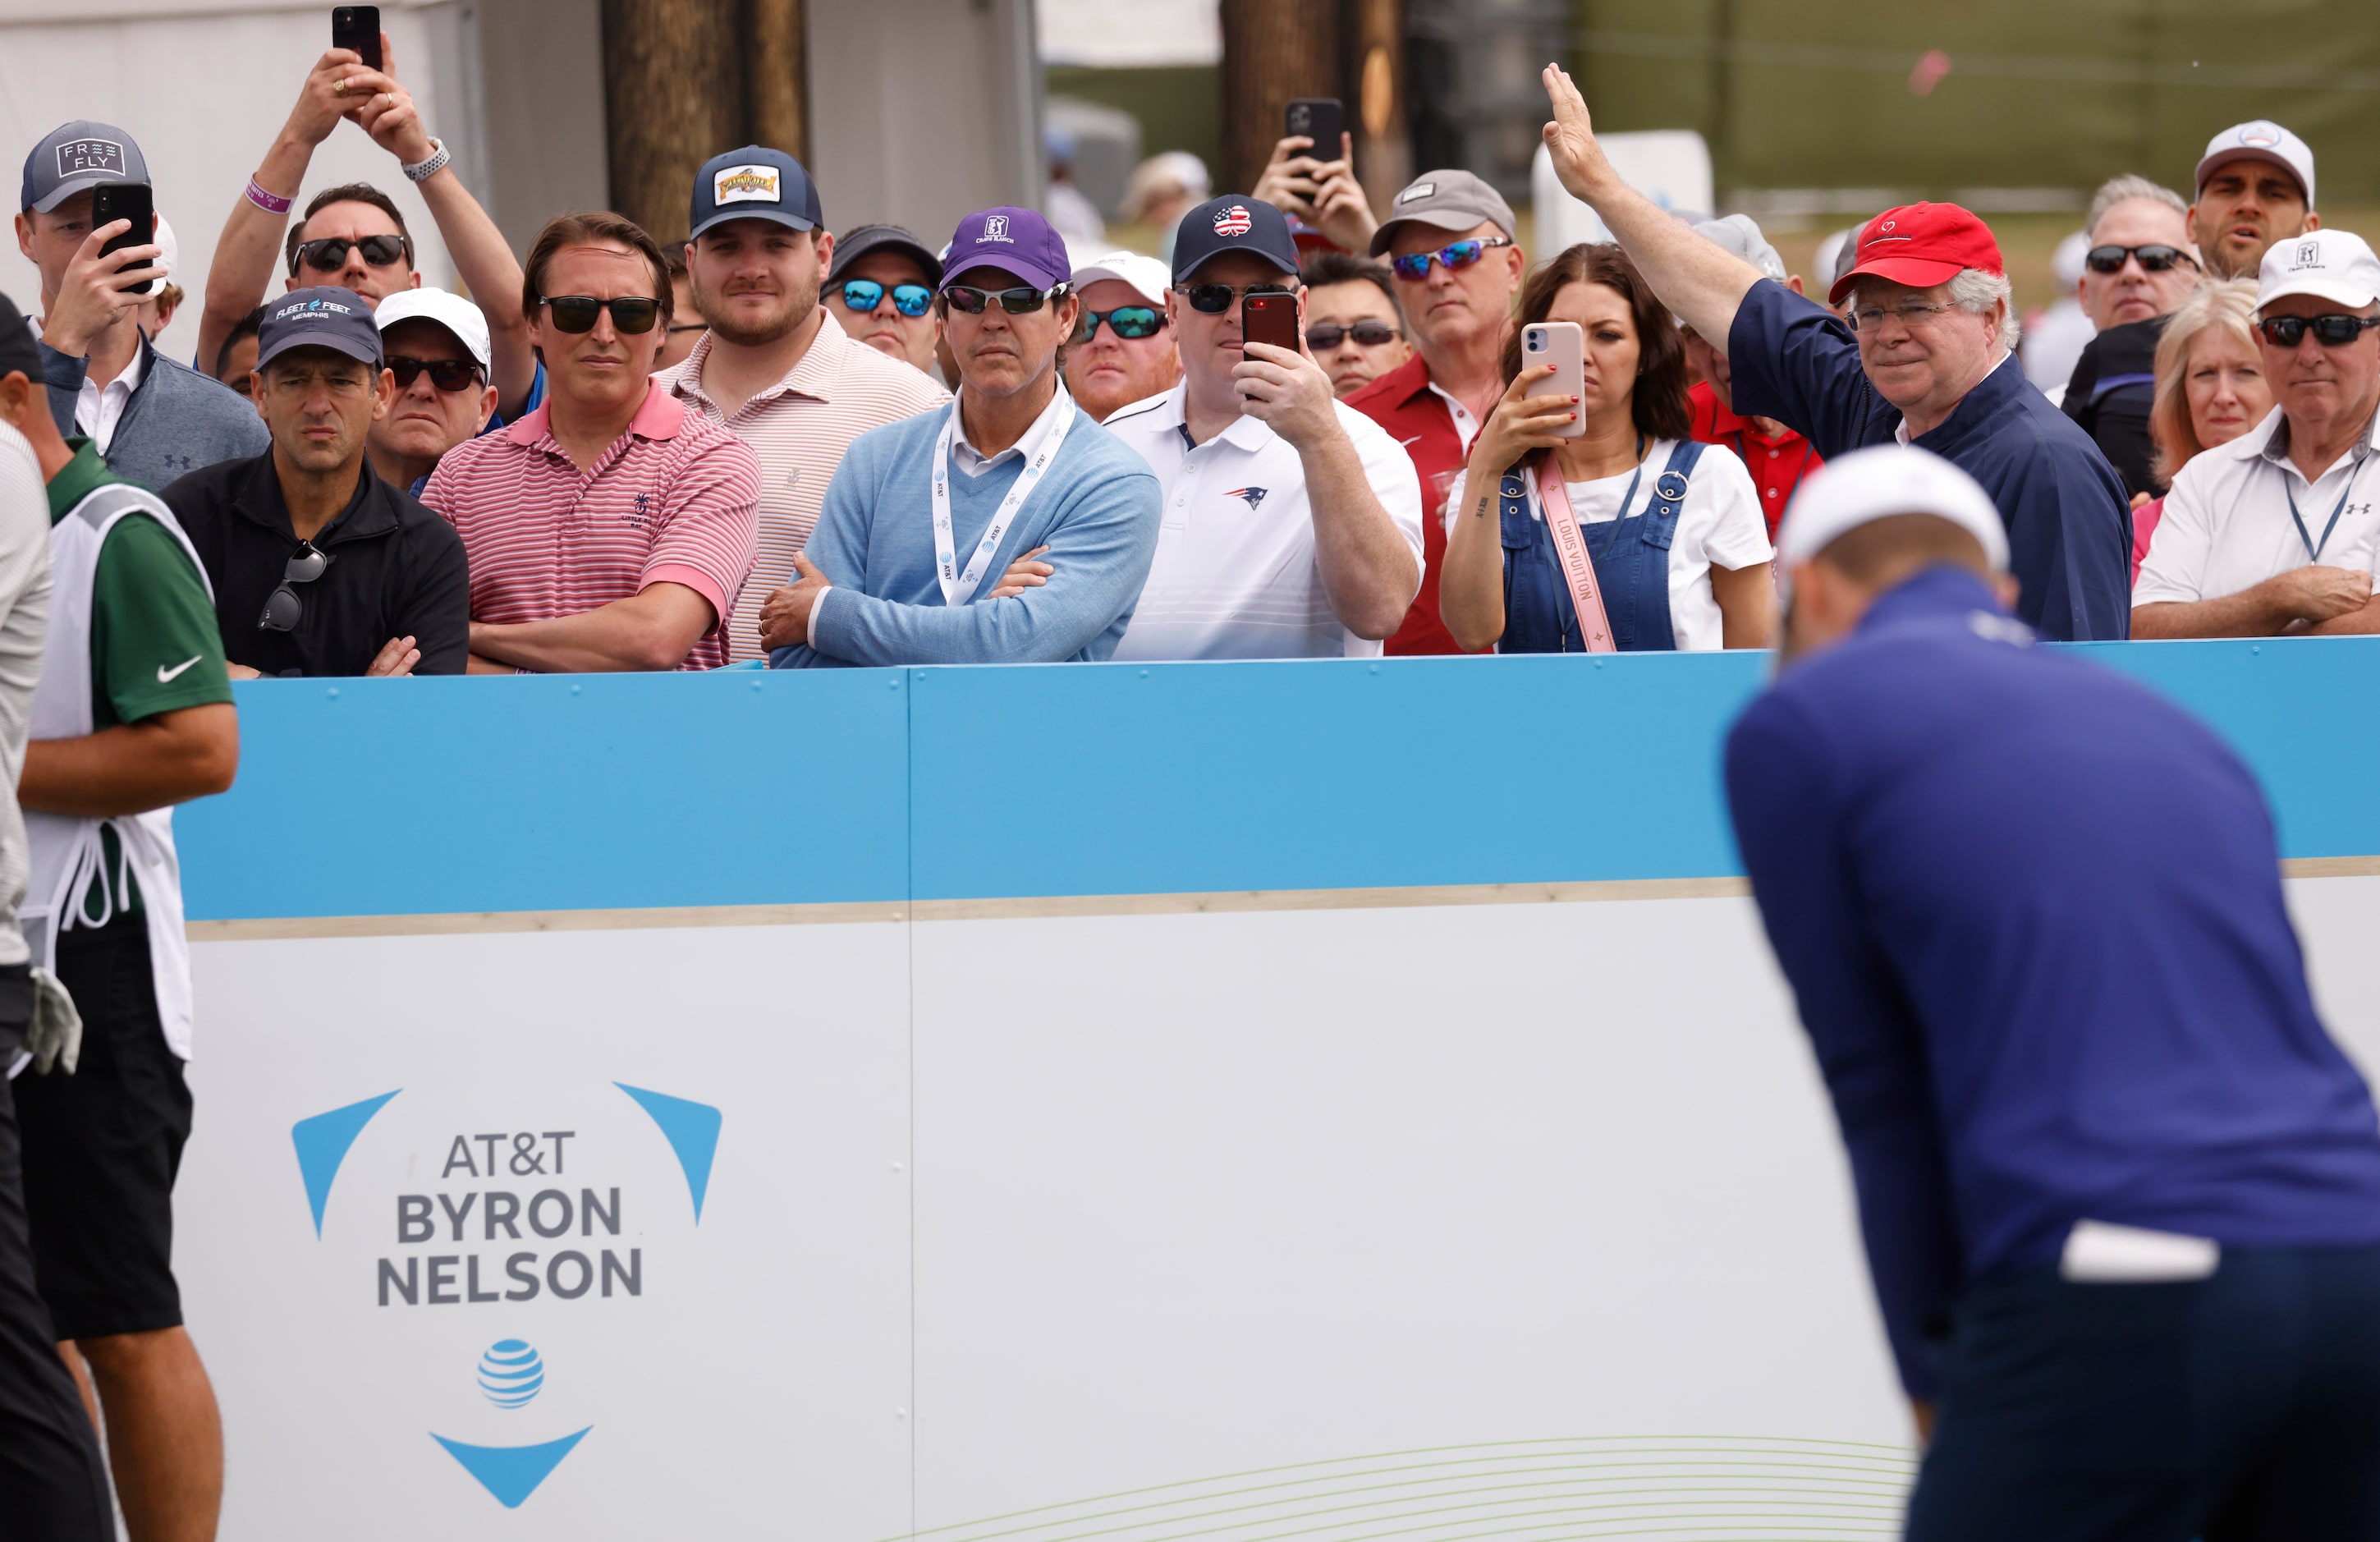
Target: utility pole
{"x":686,"y":79}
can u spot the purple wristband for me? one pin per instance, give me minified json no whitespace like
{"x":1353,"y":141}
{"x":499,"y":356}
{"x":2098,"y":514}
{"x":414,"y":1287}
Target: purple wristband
{"x":265,"y":201}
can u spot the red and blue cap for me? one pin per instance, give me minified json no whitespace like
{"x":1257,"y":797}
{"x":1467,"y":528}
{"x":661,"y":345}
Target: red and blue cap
{"x":1233,"y":223}
{"x":1015,"y":240}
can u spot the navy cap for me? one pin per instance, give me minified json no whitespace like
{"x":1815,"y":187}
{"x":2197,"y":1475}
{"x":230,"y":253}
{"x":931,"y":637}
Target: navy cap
{"x":1233,"y":223}
{"x":859,"y":241}
{"x":1017,"y":240}
{"x":754,"y":183}
{"x":323,"y":317}
{"x":78,"y":155}
{"x":19,"y":355}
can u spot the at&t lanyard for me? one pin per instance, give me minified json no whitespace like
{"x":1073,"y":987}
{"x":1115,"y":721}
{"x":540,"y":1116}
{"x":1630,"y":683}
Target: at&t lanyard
{"x":1041,"y":447}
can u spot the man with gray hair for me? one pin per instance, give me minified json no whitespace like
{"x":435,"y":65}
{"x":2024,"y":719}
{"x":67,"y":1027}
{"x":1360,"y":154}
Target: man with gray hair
{"x":1927,"y":359}
{"x":2139,"y":268}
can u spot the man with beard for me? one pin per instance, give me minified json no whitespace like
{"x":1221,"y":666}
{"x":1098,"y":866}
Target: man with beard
{"x":776,"y":368}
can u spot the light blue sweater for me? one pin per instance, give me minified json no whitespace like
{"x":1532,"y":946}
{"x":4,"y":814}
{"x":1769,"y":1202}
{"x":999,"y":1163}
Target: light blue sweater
{"x":1097,"y":509}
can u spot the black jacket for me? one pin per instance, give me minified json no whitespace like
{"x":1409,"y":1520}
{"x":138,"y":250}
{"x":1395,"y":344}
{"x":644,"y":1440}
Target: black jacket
{"x":396,"y":570}
{"x":2113,"y":384}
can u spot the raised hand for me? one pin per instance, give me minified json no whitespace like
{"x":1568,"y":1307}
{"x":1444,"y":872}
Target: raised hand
{"x":1570,"y":138}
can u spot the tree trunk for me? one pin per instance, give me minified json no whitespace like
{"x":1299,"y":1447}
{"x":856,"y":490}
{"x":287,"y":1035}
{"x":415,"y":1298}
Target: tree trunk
{"x":687,"y":80}
{"x":775,"y":77}
{"x":1375,"y":30}
{"x":1273,"y":51}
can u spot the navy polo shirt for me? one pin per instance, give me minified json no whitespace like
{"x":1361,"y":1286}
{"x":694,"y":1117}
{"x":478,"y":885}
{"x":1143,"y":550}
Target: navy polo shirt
{"x":2032,"y":915}
{"x":2069,"y":526}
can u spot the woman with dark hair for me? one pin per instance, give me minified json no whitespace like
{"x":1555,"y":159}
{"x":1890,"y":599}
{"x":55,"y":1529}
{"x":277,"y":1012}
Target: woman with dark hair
{"x":1676,"y":549}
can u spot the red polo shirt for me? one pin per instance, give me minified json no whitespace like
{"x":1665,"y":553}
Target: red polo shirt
{"x":1402,"y":403}
{"x":1777,"y":464}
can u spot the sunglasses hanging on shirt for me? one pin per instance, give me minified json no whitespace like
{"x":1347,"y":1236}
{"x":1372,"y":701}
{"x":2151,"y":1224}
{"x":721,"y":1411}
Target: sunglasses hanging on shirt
{"x":283,"y":608}
{"x":330,"y":254}
{"x":865,"y":294}
{"x":630,"y":313}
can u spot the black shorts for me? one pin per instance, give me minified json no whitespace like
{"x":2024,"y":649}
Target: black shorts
{"x":102,"y":1146}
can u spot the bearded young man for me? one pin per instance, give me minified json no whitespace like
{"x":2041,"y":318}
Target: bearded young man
{"x":776,"y":368}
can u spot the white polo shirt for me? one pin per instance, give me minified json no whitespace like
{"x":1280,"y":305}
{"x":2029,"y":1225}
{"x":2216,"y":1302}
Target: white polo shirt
{"x":2227,"y":523}
{"x":1235,"y":576}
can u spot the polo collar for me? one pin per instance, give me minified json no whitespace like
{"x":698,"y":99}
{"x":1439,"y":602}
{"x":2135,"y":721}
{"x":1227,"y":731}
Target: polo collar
{"x":659,"y":417}
{"x":260,"y":501}
{"x":78,"y":479}
{"x":1060,"y":409}
{"x":1409,"y":380}
{"x":814,"y":375}
{"x":2275,"y":446}
{"x":1245,"y":432}
{"x":1987,"y":396}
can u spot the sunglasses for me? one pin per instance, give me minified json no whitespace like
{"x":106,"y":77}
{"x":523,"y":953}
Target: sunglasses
{"x":630,"y":313}
{"x":1456,"y":258}
{"x":330,"y":254}
{"x":1323,"y":336}
{"x":866,"y":294}
{"x":1023,"y":300}
{"x":1213,"y":299}
{"x":447,"y":375}
{"x":283,"y":609}
{"x":1125,"y":320}
{"x":2154,"y":259}
{"x":2335,"y":332}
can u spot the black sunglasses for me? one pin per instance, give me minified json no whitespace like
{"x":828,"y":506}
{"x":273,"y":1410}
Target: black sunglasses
{"x":2154,"y":259}
{"x":866,"y":294}
{"x":1125,"y":320}
{"x":447,"y":375}
{"x":1213,"y":299}
{"x":283,"y":609}
{"x":1323,"y":336}
{"x":330,"y":254}
{"x":1020,"y":301}
{"x":630,"y":313}
{"x":2335,"y":331}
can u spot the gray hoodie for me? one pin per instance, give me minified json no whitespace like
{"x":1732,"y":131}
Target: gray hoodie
{"x":176,"y":422}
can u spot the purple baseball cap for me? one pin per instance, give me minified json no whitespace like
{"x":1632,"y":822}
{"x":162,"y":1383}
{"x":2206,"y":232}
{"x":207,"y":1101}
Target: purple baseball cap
{"x":1016,"y":240}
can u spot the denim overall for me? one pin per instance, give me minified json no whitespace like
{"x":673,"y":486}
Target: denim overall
{"x":1632,"y":568}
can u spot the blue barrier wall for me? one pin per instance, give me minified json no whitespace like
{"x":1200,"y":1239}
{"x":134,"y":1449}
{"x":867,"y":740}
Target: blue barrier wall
{"x":404,"y":797}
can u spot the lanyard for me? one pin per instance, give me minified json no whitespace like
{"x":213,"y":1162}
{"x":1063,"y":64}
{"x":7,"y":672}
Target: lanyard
{"x":2313,"y":548}
{"x":1039,"y":447}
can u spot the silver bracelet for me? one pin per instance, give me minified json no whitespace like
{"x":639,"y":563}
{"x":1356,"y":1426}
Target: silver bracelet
{"x":422,"y":170}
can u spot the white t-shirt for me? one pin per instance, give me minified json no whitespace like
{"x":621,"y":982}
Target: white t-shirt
{"x":1720,"y":523}
{"x":2227,"y":523}
{"x":1235,"y":576}
{"x":24,"y":623}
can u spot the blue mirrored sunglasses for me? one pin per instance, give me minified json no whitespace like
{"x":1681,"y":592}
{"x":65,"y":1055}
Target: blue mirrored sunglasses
{"x":866,"y":294}
{"x":1456,"y":257}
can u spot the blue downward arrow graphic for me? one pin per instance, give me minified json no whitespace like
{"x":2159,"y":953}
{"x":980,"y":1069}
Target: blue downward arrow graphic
{"x":511,"y":1473}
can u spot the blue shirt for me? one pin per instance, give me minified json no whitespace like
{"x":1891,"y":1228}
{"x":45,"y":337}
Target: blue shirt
{"x":2069,"y":526}
{"x":1097,"y":509}
{"x":2032,"y":915}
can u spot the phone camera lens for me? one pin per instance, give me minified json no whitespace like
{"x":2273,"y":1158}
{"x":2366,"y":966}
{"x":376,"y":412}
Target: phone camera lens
{"x":1537,"y":342}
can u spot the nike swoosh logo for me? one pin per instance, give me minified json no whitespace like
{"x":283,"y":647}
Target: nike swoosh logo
{"x":165,"y":676}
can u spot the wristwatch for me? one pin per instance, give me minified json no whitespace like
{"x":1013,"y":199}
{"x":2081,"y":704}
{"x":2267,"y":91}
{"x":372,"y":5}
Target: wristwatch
{"x":422,"y":170}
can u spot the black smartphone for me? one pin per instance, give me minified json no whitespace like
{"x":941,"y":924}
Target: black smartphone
{"x":1269,"y":319}
{"x":357,"y":26}
{"x":1321,"y":120}
{"x":125,"y":200}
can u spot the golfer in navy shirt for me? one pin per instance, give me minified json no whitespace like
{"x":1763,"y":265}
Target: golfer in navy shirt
{"x":2120,"y":1192}
{"x":1930,"y":364}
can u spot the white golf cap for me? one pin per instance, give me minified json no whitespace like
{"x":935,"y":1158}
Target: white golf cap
{"x":2260,"y":140}
{"x":169,"y":253}
{"x":447,"y":309}
{"x":2329,"y":264}
{"x":1148,"y":277}
{"x":1739,"y":235}
{"x":1875,"y":483}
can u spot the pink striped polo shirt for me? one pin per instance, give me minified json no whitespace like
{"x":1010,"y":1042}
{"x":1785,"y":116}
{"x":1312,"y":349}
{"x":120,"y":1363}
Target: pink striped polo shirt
{"x":799,"y":428}
{"x":671,"y":501}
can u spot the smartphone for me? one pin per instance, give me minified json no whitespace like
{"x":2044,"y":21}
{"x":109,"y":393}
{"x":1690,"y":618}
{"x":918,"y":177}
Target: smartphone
{"x":125,"y":200}
{"x":1271,"y":319}
{"x":1563,"y":345}
{"x":1321,"y":120}
{"x":357,"y":26}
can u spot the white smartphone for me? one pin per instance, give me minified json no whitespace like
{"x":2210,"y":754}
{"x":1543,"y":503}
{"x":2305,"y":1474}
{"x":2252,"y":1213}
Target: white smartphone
{"x":1563,"y":345}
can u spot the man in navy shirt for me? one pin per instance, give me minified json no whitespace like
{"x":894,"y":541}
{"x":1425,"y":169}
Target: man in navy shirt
{"x":1930,"y":364}
{"x":2120,"y":1192}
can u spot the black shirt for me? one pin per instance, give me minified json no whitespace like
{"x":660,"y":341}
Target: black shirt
{"x":396,"y":570}
{"x":2113,"y":382}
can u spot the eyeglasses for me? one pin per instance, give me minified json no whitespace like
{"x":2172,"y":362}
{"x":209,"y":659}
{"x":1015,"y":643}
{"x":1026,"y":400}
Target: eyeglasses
{"x":2335,"y":331}
{"x":1213,"y":299}
{"x":866,"y":294}
{"x":1125,"y":320}
{"x":1870,"y":317}
{"x":1323,"y":336}
{"x":447,"y":375}
{"x":1023,"y":300}
{"x":2154,"y":259}
{"x":1456,"y":258}
{"x":330,"y":254}
{"x":283,"y":609}
{"x":630,"y":313}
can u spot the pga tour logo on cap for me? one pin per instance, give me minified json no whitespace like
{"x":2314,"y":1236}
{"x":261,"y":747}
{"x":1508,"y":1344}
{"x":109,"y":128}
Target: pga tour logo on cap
{"x":1233,"y":221}
{"x":75,"y":156}
{"x":995,"y":228}
{"x":2308,"y":255}
{"x":745,"y":185}
{"x":2260,"y":135}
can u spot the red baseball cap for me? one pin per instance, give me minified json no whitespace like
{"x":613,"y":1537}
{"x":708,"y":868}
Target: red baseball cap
{"x":1921,"y":245}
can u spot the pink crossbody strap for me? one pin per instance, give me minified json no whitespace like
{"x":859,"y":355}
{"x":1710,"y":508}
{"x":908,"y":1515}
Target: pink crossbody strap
{"x":1578,"y":568}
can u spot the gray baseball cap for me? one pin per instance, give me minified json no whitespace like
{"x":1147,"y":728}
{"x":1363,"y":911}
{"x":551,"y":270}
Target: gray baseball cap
{"x":323,"y":317}
{"x":1739,"y":235}
{"x":1448,"y":199}
{"x":78,"y":155}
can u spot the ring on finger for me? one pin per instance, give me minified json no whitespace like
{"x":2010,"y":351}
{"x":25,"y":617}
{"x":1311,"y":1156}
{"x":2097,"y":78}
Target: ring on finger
{"x":339,"y":86}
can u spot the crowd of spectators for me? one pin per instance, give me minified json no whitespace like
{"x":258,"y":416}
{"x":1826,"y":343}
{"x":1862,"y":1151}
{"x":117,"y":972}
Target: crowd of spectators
{"x":766,"y":445}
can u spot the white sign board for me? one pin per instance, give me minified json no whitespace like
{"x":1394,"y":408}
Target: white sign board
{"x":1671,"y":166}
